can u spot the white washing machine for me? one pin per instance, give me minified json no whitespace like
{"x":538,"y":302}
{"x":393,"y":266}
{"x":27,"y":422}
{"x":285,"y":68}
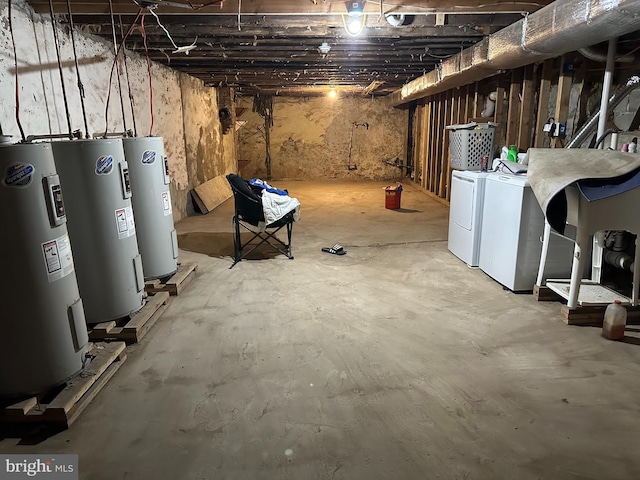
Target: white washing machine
{"x":512,"y":229}
{"x":465,"y":215}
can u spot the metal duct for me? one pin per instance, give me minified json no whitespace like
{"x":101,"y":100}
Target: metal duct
{"x":602,"y":57}
{"x":558,"y":28}
{"x":590,"y":126}
{"x":395,"y":20}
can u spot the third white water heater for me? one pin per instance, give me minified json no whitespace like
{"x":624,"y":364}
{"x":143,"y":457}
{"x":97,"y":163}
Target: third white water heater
{"x":149,"y":175}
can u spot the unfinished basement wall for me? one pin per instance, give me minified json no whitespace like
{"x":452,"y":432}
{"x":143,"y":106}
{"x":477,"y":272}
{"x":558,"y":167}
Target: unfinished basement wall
{"x":322,"y":138}
{"x":209,"y":153}
{"x":42,"y":105}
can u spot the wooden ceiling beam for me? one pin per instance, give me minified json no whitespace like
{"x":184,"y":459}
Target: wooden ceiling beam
{"x":293,"y":7}
{"x":473,"y":26}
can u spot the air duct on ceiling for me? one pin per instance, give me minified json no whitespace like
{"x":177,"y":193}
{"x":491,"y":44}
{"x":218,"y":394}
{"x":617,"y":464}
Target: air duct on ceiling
{"x":602,"y":57}
{"x":395,"y":20}
{"x":558,"y":28}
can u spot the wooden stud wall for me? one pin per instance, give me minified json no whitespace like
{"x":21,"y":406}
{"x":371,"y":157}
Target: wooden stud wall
{"x":526,"y":94}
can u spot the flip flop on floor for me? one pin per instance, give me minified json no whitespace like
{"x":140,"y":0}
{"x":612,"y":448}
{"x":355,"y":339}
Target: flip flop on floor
{"x":336,"y":250}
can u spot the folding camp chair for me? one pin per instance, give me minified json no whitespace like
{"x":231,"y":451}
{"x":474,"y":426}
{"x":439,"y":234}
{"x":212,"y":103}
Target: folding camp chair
{"x":250,"y":215}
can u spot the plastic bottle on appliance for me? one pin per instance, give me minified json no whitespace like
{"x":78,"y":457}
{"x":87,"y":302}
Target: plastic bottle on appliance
{"x":615,"y":320}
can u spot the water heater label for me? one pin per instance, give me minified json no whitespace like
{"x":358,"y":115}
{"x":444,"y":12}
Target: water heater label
{"x":148,"y":157}
{"x":124,"y":222}
{"x":58,"y":258}
{"x":18,"y":174}
{"x":166,"y":203}
{"x":104,"y":165}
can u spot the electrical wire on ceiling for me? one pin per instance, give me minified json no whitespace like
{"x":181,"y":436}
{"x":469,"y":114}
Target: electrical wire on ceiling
{"x":195,"y":8}
{"x":146,"y":53}
{"x":126,"y":69}
{"x":15,"y":57}
{"x":64,"y":90}
{"x":185,"y":49}
{"x":116,"y":52}
{"x":75,"y":58}
{"x":113,"y":65}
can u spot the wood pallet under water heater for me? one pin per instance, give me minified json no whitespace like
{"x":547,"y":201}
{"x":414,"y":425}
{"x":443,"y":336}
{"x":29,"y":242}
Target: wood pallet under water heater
{"x":64,"y":405}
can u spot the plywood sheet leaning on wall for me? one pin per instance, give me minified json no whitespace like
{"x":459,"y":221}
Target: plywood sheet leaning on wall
{"x":212,"y":193}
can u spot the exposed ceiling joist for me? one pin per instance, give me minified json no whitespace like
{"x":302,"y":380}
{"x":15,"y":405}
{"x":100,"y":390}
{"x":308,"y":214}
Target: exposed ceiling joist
{"x":292,"y":7}
{"x":281,"y":46}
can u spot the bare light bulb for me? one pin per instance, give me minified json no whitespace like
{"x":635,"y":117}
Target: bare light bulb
{"x":354,"y":25}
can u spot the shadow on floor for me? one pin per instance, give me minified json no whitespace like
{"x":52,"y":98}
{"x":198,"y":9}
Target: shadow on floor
{"x":406,"y":210}
{"x":29,"y":434}
{"x":220,"y":244}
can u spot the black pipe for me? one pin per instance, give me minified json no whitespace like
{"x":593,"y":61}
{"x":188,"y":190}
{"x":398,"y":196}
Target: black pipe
{"x":64,"y":90}
{"x":115,"y":49}
{"x":605,"y":135}
{"x":75,"y":59}
{"x":126,"y":69}
{"x":619,"y":260}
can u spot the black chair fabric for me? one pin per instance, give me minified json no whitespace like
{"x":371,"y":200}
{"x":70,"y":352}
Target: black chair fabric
{"x":249,"y":213}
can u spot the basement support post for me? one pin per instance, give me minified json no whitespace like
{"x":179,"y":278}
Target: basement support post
{"x":606,"y":87}
{"x":267,"y":144}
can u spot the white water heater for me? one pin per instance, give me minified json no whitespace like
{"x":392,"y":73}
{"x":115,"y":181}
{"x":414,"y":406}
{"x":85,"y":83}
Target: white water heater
{"x":44,"y":335}
{"x":149,"y":175}
{"x":95,"y":178}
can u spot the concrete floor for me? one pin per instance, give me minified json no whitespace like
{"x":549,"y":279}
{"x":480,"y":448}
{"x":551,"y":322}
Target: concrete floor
{"x":395,"y":361}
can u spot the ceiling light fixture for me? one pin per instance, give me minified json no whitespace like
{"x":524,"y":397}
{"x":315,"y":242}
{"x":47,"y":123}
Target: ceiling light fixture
{"x":324,"y":48}
{"x":354,"y":24}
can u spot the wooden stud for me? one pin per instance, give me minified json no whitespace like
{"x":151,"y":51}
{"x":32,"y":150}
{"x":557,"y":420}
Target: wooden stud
{"x":470,"y":96}
{"x":426,"y":133}
{"x":526,"y":110}
{"x":440,"y":134}
{"x":424,"y":142}
{"x":429,"y":150}
{"x":418,"y":138}
{"x":562,"y":100}
{"x":444,"y":173}
{"x":513,"y":114}
{"x":434,"y":141}
{"x":543,"y":103}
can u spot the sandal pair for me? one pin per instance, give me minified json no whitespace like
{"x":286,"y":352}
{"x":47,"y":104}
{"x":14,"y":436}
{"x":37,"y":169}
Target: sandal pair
{"x":337,"y":249}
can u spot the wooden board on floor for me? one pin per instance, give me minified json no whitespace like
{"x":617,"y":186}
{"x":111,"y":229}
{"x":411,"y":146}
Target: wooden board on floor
{"x":134,"y":327}
{"x":545,"y":294}
{"x":212,"y":193}
{"x":176,"y":283}
{"x":67,"y":405}
{"x":594,"y":316}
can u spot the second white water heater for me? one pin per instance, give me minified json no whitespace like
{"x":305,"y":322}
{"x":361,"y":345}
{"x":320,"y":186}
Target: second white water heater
{"x":95,"y":180}
{"x":149,"y":175}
